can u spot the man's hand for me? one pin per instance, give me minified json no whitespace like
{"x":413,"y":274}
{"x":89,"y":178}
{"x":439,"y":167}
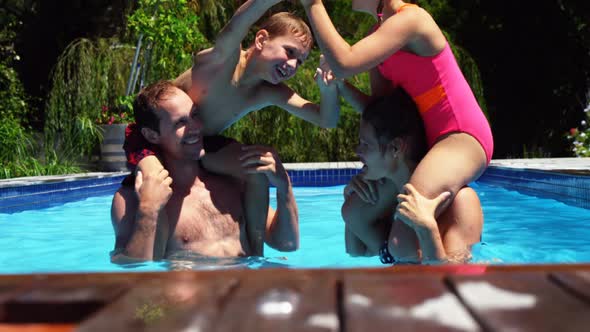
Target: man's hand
{"x":365,"y":189}
{"x":264,"y":159}
{"x":416,"y":210}
{"x":153,"y":188}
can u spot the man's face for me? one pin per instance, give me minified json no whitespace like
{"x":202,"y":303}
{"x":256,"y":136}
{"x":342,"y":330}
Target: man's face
{"x":374,"y":159}
{"x":282,"y":56}
{"x":180,"y":127}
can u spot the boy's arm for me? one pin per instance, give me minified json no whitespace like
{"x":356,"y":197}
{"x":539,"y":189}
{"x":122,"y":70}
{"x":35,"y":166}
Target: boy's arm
{"x":232,"y":34}
{"x":136,"y":217}
{"x":282,"y":227}
{"x":325,"y":114}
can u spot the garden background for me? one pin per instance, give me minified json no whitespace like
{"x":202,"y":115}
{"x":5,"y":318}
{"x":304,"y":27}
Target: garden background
{"x":66,"y":67}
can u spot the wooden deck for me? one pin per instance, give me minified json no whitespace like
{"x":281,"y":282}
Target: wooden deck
{"x":406,"y":298}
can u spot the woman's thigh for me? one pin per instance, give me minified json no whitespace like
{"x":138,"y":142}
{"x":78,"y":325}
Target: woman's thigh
{"x":452,"y":163}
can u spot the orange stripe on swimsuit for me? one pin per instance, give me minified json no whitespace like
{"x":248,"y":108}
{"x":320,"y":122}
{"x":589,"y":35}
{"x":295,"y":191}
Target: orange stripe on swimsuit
{"x":428,"y":99}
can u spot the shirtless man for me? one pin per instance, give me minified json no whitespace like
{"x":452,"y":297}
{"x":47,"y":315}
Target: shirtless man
{"x":229,"y":82}
{"x":199,"y":211}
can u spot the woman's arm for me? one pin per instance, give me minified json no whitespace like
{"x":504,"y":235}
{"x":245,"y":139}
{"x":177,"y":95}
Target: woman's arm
{"x":346,"y":60}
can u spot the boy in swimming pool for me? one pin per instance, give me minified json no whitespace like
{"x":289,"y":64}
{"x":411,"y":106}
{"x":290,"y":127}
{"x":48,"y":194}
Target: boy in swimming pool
{"x":228,"y":82}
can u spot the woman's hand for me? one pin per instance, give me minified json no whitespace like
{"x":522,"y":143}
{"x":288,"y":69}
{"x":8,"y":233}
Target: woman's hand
{"x":416,"y":210}
{"x":324,"y":77}
{"x":365,"y":189}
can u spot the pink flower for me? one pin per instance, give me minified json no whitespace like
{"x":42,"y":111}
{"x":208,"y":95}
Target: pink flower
{"x":104,"y":108}
{"x":111,"y":120}
{"x":122,"y":115}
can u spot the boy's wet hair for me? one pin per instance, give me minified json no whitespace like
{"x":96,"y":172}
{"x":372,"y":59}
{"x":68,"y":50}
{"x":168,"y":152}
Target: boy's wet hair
{"x":284,"y":23}
{"x":147,"y":103}
{"x":396,"y":116}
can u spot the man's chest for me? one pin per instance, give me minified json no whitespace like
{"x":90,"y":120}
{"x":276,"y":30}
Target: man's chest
{"x":205,"y":214}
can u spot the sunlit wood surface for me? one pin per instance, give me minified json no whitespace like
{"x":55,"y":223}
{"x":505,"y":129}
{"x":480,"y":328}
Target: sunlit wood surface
{"x":405,"y":298}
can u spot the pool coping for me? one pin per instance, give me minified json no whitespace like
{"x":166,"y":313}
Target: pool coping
{"x":577,"y":166}
{"x":564,"y":179}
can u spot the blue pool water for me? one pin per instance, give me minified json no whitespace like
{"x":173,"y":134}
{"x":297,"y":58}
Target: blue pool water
{"x":77,"y":237}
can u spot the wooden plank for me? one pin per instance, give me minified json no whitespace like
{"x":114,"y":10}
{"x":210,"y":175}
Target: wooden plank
{"x":56,"y":302}
{"x":168,"y":304}
{"x":37,"y":327}
{"x":521,"y":302}
{"x":578,"y":283}
{"x":403,"y":303}
{"x":300,"y":301}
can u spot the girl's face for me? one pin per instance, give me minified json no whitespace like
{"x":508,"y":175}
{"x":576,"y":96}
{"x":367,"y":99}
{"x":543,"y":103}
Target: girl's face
{"x":281,"y":56}
{"x":365,"y":6}
{"x":377,"y":163}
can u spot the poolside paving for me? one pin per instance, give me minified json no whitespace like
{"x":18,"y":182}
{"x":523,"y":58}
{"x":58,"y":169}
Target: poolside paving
{"x":400,"y":298}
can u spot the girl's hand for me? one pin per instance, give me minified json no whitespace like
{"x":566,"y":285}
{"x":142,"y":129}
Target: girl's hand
{"x":324,"y":76}
{"x":365,"y":189}
{"x":264,"y":159}
{"x":416,"y":210}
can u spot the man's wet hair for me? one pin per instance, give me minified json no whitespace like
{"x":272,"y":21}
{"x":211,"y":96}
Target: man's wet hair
{"x":147,"y":103}
{"x":284,"y":23}
{"x":396,"y":116}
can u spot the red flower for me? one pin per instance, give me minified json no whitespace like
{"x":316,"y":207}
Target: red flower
{"x":573,"y":131}
{"x":104,"y":108}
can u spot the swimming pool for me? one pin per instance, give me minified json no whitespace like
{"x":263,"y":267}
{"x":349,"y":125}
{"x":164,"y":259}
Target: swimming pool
{"x":77,"y":236}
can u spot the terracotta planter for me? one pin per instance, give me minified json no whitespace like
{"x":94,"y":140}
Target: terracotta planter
{"x":112,"y":156}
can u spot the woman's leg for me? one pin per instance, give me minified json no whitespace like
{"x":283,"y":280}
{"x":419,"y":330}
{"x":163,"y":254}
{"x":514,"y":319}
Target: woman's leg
{"x":452,"y":163}
{"x":225,"y":161}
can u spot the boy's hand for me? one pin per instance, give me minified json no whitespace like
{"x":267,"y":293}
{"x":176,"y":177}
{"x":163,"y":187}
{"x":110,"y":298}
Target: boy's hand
{"x":365,"y":189}
{"x":153,"y":189}
{"x":264,"y":159}
{"x":416,"y":210}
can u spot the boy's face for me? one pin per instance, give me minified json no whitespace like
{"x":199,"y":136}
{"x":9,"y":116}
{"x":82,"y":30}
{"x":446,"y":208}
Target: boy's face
{"x":376,"y":162}
{"x":180,"y":127}
{"x":282,"y":56}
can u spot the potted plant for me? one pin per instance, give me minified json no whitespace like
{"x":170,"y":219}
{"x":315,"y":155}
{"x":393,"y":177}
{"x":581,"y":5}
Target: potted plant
{"x":112,"y":122}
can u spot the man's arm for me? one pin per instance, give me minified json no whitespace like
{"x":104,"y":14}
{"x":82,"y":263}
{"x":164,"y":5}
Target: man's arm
{"x":282,"y":227}
{"x":138,"y":216}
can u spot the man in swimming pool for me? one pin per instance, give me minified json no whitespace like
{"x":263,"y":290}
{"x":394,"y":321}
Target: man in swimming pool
{"x":183,"y":207}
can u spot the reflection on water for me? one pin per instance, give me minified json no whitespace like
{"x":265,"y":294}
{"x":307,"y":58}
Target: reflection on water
{"x":187,"y":261}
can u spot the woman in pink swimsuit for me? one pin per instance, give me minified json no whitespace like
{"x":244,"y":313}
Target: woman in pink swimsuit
{"x":409,"y":50}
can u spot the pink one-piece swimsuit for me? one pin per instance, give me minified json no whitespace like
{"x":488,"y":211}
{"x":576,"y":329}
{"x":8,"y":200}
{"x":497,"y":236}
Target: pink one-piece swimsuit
{"x":443,"y":96}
